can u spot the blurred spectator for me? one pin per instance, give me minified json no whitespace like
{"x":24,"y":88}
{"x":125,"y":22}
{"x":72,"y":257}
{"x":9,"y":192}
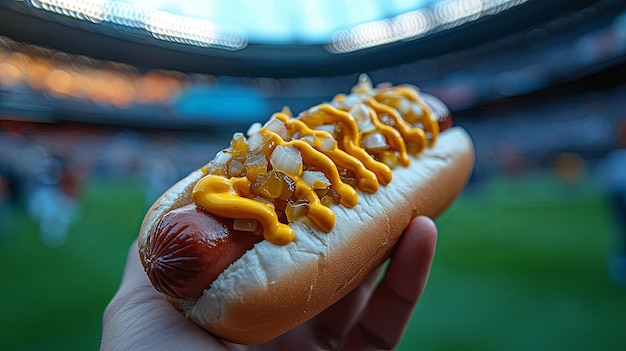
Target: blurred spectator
{"x":13,"y":184}
{"x":159,"y":173}
{"x":570,"y":170}
{"x":52,"y":202}
{"x":613,"y":172}
{"x":4,"y":217}
{"x":511,"y":159}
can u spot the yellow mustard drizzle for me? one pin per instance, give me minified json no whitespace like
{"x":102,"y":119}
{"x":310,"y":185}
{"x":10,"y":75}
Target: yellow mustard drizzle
{"x":351,"y":142}
{"x":430,"y":124}
{"x":392,"y":135}
{"x":321,"y":215}
{"x":311,"y":156}
{"x":415,"y":135}
{"x":366,"y":179}
{"x":231,"y":197}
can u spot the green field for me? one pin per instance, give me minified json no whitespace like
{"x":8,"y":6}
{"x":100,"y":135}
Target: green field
{"x":521,"y":265}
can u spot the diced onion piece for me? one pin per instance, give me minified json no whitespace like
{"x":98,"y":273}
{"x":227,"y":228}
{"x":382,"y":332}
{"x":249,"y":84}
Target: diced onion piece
{"x":313,"y":116}
{"x":277,"y":126}
{"x":254,"y":128}
{"x":296,"y":210}
{"x":273,"y":185}
{"x":345,"y":102}
{"x":348,"y":101}
{"x":321,"y":192}
{"x":216,"y":168}
{"x":328,"y":128}
{"x":222,"y":157}
{"x":316,"y":179}
{"x":324,"y":143}
{"x":255,"y":141}
{"x":361,"y":114}
{"x":364,"y":85}
{"x":389,"y":158}
{"x":374,"y":142}
{"x":417,"y":109}
{"x":239,"y":144}
{"x":330,"y":197}
{"x":309,"y":139}
{"x":245,"y":225}
{"x":287,"y":159}
{"x":255,"y":165}
{"x":287,"y":111}
{"x":403,"y":106}
{"x":235,"y":168}
{"x":328,"y":144}
{"x":386,"y":119}
{"x":258,"y":143}
{"x":414,"y":113}
{"x":327,"y":200}
{"x":350,"y":181}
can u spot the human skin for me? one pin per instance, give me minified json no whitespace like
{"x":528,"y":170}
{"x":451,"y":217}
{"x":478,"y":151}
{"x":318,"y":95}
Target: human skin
{"x":372,"y":317}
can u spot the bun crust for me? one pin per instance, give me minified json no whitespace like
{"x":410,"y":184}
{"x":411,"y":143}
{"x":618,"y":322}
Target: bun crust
{"x":272,"y":289}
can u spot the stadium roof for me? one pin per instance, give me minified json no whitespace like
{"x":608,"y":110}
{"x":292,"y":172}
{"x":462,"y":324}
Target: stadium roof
{"x":270,"y":38}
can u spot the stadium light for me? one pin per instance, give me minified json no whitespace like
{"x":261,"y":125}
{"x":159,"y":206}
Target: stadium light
{"x":160,"y":24}
{"x":441,"y":16}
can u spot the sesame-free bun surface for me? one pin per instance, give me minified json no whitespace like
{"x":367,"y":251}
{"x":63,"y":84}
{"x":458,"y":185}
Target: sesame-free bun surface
{"x":272,"y":288}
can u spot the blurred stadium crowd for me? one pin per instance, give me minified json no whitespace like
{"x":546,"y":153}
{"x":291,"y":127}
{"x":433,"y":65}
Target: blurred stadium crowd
{"x":65,"y":119}
{"x":43,"y":168}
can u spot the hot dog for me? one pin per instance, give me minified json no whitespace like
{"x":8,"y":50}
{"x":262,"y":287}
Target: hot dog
{"x":295,"y":214}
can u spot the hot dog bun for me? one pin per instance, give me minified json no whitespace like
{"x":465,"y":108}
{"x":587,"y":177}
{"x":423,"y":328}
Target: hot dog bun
{"x":273,"y":288}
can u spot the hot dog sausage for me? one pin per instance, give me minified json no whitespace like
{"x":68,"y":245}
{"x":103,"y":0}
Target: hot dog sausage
{"x":188,"y":248}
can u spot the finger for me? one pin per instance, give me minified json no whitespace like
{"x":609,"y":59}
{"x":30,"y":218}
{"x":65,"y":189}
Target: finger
{"x":384,"y":320}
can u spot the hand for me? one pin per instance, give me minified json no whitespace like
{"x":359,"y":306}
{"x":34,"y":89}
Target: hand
{"x":370,"y":317}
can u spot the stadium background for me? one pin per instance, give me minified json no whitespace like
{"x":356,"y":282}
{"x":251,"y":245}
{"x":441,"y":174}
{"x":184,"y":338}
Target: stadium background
{"x":98,"y":117}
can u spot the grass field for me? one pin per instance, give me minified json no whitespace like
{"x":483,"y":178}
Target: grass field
{"x":521,"y":265}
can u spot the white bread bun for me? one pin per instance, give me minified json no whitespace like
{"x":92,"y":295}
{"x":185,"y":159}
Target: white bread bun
{"x":273,"y":288}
